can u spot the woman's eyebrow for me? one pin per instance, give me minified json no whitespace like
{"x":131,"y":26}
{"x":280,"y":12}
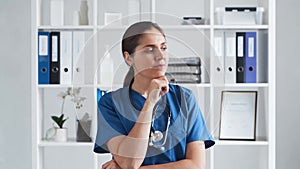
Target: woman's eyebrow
{"x":153,"y":45}
{"x":149,"y":45}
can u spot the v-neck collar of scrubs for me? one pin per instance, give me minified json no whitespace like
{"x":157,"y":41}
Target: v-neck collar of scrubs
{"x":137,"y":102}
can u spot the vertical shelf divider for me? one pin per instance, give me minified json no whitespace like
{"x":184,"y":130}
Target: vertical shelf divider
{"x":95,"y":81}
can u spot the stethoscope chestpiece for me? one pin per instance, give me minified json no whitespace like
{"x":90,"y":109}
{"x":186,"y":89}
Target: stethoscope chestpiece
{"x":156,"y":136}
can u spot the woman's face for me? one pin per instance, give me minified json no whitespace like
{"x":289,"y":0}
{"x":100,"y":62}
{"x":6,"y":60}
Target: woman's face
{"x":151,"y":58}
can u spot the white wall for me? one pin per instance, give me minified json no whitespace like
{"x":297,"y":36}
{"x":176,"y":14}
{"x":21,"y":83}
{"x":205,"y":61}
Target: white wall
{"x":288,"y":80}
{"x":15,"y":120}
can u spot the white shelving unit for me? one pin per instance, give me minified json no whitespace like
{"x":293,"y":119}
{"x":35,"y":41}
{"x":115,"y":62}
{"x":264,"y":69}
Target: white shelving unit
{"x":183,"y":40}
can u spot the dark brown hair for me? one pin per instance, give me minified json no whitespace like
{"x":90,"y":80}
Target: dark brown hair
{"x":131,"y":39}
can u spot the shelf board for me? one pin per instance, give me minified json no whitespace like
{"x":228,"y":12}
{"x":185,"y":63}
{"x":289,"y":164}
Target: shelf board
{"x":105,"y":87}
{"x":63,"y":86}
{"x":241,"y":143}
{"x":70,"y":142}
{"x":185,"y":27}
{"x":109,"y":87}
{"x":67,"y":27}
{"x":246,"y":85}
{"x":187,"y":85}
{"x":73,"y":143}
{"x":115,"y":86}
{"x":168,"y":27}
{"x":241,"y":26}
{"x":193,"y":84}
{"x":111,"y":27}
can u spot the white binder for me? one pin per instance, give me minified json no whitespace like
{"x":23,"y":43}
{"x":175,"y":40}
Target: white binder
{"x":78,"y":57}
{"x":230,"y":57}
{"x":66,"y":57}
{"x":219,"y":57}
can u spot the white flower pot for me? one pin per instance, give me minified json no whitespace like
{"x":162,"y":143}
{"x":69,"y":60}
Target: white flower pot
{"x":61,"y":134}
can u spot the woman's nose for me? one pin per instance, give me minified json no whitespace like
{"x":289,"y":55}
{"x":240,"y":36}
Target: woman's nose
{"x":159,"y":54}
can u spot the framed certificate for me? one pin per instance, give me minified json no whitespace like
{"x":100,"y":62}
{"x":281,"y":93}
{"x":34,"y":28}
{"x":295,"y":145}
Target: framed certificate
{"x":238,"y":115}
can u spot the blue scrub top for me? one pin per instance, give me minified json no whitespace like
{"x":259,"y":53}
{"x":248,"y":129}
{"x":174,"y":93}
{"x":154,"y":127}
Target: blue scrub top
{"x":117,"y":113}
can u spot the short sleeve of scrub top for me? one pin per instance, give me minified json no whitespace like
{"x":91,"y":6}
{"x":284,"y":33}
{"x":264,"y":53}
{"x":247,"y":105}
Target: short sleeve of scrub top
{"x":109,"y":124}
{"x":197,"y":129}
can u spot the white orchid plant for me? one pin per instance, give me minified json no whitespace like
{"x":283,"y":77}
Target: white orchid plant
{"x":75,"y":98}
{"x":60,"y":120}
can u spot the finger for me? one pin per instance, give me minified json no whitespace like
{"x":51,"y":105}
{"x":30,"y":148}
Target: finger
{"x":158,"y":88}
{"x":105,"y":165}
{"x":154,"y":95}
{"x":165,"y":86}
{"x":164,"y":90}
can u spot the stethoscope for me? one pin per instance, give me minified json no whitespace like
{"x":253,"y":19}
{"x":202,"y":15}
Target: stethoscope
{"x":156,"y":136}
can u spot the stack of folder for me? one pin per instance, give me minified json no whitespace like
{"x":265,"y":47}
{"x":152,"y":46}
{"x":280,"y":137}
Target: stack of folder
{"x":184,"y":70}
{"x":236,"y":57}
{"x":59,"y":56}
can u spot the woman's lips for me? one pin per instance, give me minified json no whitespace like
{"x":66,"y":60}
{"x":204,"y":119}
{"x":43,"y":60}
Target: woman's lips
{"x":160,"y":66}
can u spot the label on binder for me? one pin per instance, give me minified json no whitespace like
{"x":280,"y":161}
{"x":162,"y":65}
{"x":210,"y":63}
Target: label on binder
{"x":251,"y":47}
{"x":54,"y":57}
{"x":240,"y":46}
{"x":43,"y":45}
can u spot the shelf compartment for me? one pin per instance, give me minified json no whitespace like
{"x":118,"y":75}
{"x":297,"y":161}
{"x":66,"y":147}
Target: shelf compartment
{"x":65,"y":157}
{"x":70,"y":7}
{"x":248,"y":3}
{"x":262,"y":113}
{"x":51,"y":104}
{"x":130,"y":12}
{"x":238,"y":157}
{"x":174,"y":16}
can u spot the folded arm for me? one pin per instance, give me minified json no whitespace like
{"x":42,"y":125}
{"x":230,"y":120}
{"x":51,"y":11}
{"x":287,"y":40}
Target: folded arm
{"x":129,"y":151}
{"x":195,"y":159}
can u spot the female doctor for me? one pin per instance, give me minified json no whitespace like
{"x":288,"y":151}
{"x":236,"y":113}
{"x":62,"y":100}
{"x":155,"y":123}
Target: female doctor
{"x":150,"y":123}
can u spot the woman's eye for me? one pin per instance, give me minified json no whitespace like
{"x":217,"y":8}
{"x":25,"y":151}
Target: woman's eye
{"x":149,"y":50}
{"x":164,"y":48}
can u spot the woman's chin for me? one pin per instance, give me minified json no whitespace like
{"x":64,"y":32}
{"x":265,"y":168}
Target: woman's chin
{"x":158,"y":74}
{"x":153,"y":73}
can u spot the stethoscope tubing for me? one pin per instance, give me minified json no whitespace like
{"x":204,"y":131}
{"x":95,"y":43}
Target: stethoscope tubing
{"x":152,"y":131}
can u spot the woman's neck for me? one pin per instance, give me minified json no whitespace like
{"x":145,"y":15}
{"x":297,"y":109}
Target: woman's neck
{"x":141,"y":84}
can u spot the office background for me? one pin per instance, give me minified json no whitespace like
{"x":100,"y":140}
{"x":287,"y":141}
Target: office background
{"x":15,"y":74}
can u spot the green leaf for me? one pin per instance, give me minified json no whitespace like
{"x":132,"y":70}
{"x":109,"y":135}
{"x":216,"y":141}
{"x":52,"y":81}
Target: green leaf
{"x":59,"y":120}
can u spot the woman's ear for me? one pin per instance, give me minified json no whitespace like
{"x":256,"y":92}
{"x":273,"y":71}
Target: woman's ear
{"x":128,"y":58}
